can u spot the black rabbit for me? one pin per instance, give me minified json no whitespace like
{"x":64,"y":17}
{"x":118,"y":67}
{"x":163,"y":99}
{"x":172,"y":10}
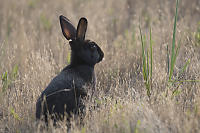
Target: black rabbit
{"x":66,"y":92}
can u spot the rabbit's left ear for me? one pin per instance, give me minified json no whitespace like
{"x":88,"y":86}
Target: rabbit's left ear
{"x":81,"y":29}
{"x":68,"y":29}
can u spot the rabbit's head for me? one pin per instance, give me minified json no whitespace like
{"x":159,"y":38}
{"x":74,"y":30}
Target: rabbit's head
{"x":84,"y":52}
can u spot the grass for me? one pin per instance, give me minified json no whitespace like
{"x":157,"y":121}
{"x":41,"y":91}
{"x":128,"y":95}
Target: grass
{"x":30,"y":36}
{"x":173,"y":55}
{"x":9,"y":78}
{"x":197,"y":34}
{"x":45,"y":22}
{"x":147,"y":71}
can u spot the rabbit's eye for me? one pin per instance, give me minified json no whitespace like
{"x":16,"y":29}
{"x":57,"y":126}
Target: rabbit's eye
{"x":92,"y":47}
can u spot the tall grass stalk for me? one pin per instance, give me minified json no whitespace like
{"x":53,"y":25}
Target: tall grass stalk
{"x":173,"y":54}
{"x":147,"y":71}
{"x":175,"y":51}
{"x":151,"y":56}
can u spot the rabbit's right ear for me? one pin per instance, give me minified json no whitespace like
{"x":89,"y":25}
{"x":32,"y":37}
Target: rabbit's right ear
{"x":81,"y":29}
{"x":68,"y":29}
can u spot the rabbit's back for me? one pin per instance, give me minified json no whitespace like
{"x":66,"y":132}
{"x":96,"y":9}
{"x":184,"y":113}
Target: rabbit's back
{"x":72,"y":78}
{"x":67,"y":79}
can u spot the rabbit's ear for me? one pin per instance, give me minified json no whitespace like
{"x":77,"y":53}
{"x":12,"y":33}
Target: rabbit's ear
{"x":68,"y":29}
{"x":81,"y":29}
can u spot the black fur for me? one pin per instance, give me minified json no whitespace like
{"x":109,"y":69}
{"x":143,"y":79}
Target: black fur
{"x":67,"y":91}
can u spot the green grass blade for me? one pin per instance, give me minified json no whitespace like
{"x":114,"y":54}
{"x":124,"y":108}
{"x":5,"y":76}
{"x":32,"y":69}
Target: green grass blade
{"x":184,"y":67}
{"x":68,"y":58}
{"x":151,"y":56}
{"x":14,"y":114}
{"x":14,"y":72}
{"x":178,"y":48}
{"x":144,"y":60}
{"x":177,"y":51}
{"x":173,"y":44}
{"x":147,"y":65}
{"x":168,"y":59}
{"x":143,"y":55}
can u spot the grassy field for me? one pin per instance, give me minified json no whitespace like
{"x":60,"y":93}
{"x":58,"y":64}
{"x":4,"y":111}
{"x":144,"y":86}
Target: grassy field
{"x":33,"y":50}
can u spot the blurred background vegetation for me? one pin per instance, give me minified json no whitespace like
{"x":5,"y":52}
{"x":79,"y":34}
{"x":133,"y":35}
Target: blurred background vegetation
{"x":33,"y":50}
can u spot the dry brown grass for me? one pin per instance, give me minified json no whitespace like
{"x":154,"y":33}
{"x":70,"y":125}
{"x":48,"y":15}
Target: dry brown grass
{"x":30,"y":36}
